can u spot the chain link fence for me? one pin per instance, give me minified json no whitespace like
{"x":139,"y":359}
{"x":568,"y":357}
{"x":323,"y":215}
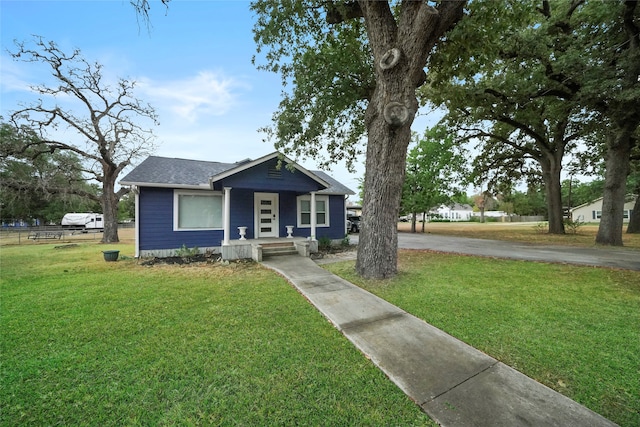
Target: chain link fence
{"x":51,"y":234}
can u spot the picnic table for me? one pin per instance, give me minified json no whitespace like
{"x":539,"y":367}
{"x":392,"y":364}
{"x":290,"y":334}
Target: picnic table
{"x":37,"y":235}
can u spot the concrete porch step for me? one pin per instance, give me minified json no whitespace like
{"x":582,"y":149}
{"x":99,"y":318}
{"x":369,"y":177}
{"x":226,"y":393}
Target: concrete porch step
{"x":278,"y":248}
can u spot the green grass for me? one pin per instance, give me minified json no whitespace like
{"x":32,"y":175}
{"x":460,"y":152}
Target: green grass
{"x":575,"y":329}
{"x":86,"y":342}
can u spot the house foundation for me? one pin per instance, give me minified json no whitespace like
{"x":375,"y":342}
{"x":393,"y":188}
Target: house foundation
{"x":257,"y":249}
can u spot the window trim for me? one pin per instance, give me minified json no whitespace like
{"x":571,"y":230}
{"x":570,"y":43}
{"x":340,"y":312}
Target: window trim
{"x":306,"y":197}
{"x":176,"y":200}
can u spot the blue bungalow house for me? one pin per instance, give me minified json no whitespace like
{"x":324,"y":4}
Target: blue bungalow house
{"x":234,"y":208}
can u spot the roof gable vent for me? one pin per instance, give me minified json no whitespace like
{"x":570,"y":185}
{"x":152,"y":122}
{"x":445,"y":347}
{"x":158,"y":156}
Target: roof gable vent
{"x":274,"y":172}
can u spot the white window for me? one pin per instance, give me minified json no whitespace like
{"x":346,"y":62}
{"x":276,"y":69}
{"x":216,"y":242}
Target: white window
{"x":304,"y":211}
{"x":197,"y":210}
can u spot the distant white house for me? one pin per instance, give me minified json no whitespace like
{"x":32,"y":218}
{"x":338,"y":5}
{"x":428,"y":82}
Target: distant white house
{"x":591,"y":212}
{"x":455,"y":212}
{"x":491,"y":214}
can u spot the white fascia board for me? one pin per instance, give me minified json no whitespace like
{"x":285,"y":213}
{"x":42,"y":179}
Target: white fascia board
{"x":163,"y":185}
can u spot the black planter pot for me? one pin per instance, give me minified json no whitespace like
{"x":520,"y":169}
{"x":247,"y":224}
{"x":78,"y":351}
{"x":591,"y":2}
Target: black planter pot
{"x":111,"y":255}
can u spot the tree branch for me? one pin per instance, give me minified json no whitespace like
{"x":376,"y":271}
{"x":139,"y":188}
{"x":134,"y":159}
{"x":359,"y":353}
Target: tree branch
{"x":481,"y":133}
{"x":337,"y":13}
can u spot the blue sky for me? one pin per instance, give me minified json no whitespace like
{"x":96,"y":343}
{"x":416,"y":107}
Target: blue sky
{"x":193,"y":64}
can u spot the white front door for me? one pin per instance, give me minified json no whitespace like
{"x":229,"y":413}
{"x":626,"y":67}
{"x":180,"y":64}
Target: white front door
{"x":266,"y":215}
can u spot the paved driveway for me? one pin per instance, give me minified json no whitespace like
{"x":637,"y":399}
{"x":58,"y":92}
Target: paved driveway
{"x":624,"y":258}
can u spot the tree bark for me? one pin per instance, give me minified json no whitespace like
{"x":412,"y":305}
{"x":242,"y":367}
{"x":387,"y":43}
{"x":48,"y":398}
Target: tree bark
{"x":553,"y":189}
{"x":400,"y":51}
{"x":413,"y":221}
{"x":615,"y":179}
{"x":109,"y":203}
{"x":625,"y":117}
{"x":634,"y":219}
{"x":385,"y":168}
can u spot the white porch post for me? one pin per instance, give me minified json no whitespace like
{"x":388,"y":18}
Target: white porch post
{"x":136,"y":218}
{"x":227,"y":215}
{"x":313,"y":215}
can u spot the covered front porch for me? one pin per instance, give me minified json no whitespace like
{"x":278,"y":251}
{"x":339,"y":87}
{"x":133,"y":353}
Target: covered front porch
{"x":248,"y":213}
{"x":259,"y":227}
{"x":257,"y":249}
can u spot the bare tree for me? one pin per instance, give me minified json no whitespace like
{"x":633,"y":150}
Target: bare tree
{"x":105,"y":118}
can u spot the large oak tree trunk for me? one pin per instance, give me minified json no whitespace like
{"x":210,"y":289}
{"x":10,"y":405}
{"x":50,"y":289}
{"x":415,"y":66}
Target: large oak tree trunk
{"x":400,"y":51}
{"x":615,"y":184}
{"x":389,"y":116}
{"x":552,"y":185}
{"x":385,"y":167}
{"x":109,"y":202}
{"x":626,"y":117}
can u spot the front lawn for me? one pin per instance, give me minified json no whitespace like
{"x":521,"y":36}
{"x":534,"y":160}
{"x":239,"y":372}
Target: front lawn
{"x":87,"y":342}
{"x":575,"y":329}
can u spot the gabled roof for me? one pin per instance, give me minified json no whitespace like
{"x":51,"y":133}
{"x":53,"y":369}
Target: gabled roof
{"x":244,"y":165}
{"x":627,"y":198}
{"x":454,"y":207}
{"x":169,"y":172}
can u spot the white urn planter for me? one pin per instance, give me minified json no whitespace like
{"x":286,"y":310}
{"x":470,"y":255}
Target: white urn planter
{"x":243,"y":232}
{"x":289,"y":231}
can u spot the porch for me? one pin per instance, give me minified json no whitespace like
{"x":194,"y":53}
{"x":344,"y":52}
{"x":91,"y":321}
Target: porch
{"x":257,"y":249}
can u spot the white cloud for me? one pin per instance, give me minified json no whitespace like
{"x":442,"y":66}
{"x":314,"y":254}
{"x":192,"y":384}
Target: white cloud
{"x":14,"y":76}
{"x":192,"y":98}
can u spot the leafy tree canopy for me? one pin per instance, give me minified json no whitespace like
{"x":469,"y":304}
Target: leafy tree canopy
{"x":38,"y":184}
{"x":435,"y":166}
{"x":329,"y":68}
{"x":537,"y":81}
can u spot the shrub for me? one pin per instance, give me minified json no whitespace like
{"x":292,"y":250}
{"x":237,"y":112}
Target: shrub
{"x":572,"y":226}
{"x":324,"y":243}
{"x":185,"y":252}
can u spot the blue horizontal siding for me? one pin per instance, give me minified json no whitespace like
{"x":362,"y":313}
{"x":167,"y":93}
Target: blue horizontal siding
{"x":288,"y":212}
{"x":241,"y":213}
{"x":336,"y":218}
{"x":156,"y":224}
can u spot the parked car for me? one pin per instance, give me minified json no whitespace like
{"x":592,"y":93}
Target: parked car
{"x":353,"y":224}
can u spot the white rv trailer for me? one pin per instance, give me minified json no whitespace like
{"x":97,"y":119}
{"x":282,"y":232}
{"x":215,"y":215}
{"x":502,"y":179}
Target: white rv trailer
{"x":83,"y":221}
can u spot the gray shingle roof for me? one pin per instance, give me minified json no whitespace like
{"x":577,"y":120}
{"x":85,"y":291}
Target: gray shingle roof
{"x":335,"y":188}
{"x":171,"y":172}
{"x":165,"y":171}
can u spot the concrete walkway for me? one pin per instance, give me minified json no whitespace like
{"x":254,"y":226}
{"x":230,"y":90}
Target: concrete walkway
{"x":455,"y":384}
